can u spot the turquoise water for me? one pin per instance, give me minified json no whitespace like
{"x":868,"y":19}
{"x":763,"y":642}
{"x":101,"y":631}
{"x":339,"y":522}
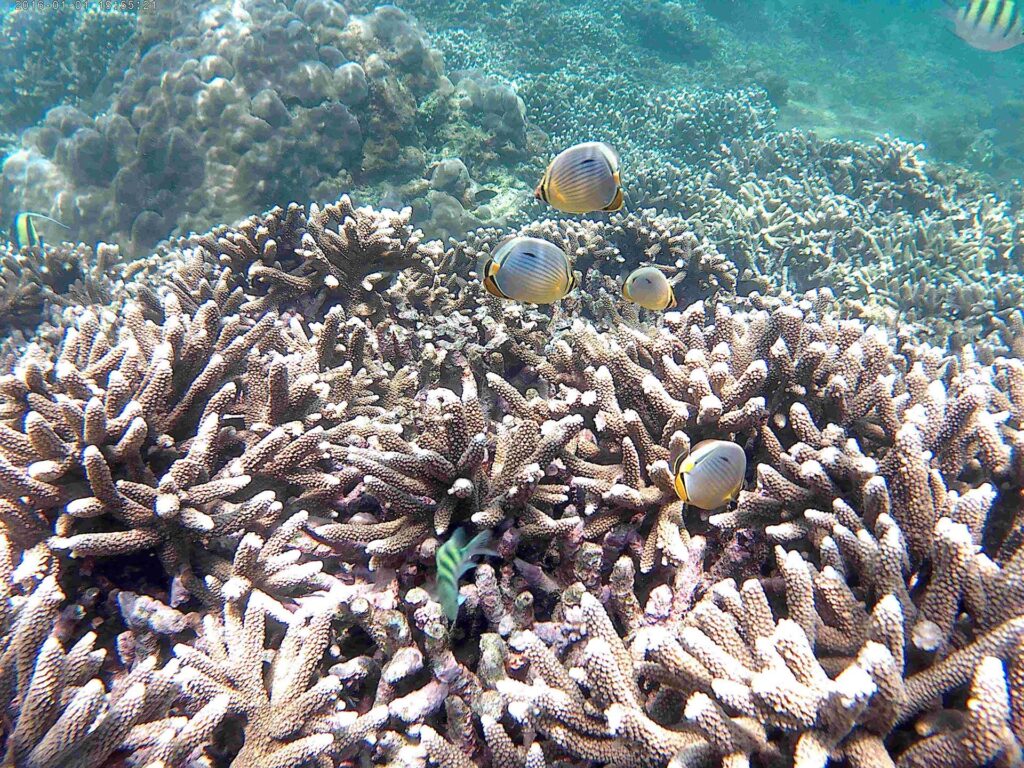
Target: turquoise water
{"x":511,"y":384}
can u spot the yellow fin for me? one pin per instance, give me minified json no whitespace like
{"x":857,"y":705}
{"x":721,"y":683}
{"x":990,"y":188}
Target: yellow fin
{"x":680,"y":487}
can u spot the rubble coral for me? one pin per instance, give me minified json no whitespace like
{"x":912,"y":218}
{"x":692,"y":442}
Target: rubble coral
{"x":294,"y":461}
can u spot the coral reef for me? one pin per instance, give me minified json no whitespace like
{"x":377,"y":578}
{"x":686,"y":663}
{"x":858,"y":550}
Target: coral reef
{"x":95,"y":41}
{"x":287,"y":417}
{"x":226,"y":468}
{"x":243,"y":106}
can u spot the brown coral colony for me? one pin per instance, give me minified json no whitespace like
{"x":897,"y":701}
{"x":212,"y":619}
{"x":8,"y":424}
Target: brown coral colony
{"x":860,"y":603}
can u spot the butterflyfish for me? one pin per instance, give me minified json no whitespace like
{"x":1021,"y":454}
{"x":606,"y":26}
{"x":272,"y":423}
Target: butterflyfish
{"x":454,"y":558}
{"x":23,"y":231}
{"x":711,"y":474}
{"x":650,"y":288}
{"x":582,"y":179}
{"x":990,"y":25}
{"x":527,"y":269}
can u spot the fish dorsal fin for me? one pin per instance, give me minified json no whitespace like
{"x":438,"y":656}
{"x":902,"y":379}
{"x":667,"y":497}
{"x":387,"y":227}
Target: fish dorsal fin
{"x":44,"y":217}
{"x":499,"y":245}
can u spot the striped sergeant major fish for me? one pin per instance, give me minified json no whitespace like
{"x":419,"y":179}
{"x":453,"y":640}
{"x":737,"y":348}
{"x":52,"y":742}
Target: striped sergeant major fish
{"x":23,"y":231}
{"x":454,"y":558}
{"x":989,"y":25}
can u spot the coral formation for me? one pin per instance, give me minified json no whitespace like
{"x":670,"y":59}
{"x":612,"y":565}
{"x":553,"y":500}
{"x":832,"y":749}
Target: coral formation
{"x":226,"y":469}
{"x":213,"y":120}
{"x":292,"y":414}
{"x":95,"y":41}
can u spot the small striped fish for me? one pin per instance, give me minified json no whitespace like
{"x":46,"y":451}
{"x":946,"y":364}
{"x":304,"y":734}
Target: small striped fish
{"x":527,"y":269}
{"x":990,"y":25}
{"x":649,"y":288}
{"x":711,"y":474}
{"x":454,"y":558}
{"x":582,"y":179}
{"x":23,"y":231}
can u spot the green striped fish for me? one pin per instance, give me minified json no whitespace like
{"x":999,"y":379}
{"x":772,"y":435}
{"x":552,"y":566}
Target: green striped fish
{"x":990,"y":25}
{"x":454,"y":558}
{"x":23,"y":231}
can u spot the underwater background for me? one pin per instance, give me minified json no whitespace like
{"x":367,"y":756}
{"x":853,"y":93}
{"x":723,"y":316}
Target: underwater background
{"x":289,"y":478}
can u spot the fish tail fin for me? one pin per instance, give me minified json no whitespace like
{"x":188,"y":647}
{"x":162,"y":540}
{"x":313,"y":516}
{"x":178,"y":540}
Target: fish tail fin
{"x":475,"y":547}
{"x":617,"y":201}
{"x":677,"y":478}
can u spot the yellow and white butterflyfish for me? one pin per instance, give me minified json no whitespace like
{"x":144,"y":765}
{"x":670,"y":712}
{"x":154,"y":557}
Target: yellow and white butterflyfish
{"x":711,"y":474}
{"x":650,"y":288}
{"x":582,"y":179}
{"x":527,"y":269}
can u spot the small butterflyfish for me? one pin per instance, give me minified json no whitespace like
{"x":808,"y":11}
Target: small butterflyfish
{"x":711,"y":474}
{"x":650,"y":288}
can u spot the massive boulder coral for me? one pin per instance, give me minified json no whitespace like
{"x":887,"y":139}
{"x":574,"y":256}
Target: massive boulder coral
{"x":94,"y":40}
{"x":241,"y":106}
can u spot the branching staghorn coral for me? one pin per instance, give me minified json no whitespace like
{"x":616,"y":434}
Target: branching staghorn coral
{"x":35,"y":281}
{"x":449,"y":476}
{"x":292,"y":715}
{"x":137,"y":432}
{"x":61,"y":708}
{"x":342,"y":253}
{"x":330,"y":453}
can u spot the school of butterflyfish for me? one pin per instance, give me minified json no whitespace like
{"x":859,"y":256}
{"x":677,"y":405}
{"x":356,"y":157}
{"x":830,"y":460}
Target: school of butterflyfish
{"x":586,"y":178}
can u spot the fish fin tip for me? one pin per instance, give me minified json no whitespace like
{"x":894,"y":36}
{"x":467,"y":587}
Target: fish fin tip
{"x":616,"y":203}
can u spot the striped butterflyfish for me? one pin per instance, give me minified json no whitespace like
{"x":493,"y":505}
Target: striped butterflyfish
{"x":711,"y":474}
{"x":582,"y":179}
{"x":650,"y":288}
{"x":990,"y":25}
{"x":527,"y":269}
{"x":454,"y":558}
{"x":23,"y":230}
